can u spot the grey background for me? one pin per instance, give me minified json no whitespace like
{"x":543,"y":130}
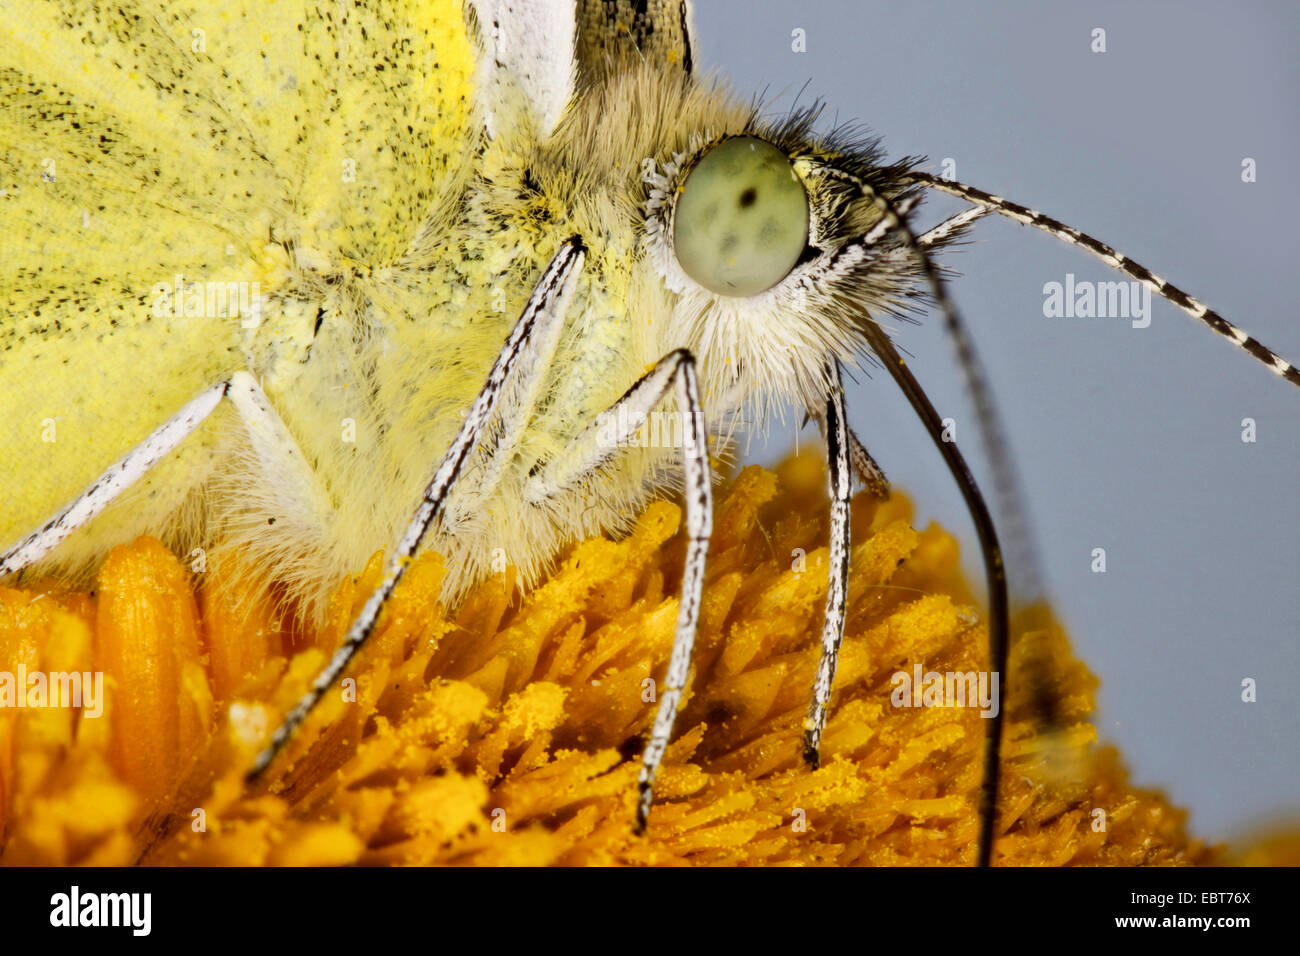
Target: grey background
{"x":1127,"y":439}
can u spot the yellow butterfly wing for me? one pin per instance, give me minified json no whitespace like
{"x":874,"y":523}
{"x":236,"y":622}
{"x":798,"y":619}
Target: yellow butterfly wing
{"x":148,"y":145}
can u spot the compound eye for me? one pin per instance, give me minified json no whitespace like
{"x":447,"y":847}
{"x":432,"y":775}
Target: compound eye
{"x":742,"y":218}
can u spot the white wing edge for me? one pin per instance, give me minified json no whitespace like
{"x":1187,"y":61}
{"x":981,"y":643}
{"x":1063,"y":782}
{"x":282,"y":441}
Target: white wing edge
{"x":528,"y":51}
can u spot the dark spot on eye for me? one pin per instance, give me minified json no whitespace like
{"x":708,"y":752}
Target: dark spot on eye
{"x":748,"y":197}
{"x":728,"y":243}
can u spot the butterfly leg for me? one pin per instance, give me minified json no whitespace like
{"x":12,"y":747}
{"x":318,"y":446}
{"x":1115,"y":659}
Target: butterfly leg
{"x":839,"y":476}
{"x":892,"y":220}
{"x":864,"y":466}
{"x":546,"y":309}
{"x":586,"y":454}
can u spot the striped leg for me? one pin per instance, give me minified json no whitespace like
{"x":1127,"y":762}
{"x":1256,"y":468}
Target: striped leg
{"x":546,"y":307}
{"x":837,"y":593}
{"x":1193,"y":307}
{"x":990,"y":424}
{"x":593,"y":448}
{"x":864,"y":466}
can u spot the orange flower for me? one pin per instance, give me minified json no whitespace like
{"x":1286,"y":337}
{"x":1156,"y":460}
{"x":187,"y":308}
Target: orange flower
{"x":507,"y":731}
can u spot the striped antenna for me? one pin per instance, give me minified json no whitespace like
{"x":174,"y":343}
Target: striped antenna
{"x":1193,"y":307}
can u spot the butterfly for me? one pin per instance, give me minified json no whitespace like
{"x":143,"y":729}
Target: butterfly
{"x":416,"y":278}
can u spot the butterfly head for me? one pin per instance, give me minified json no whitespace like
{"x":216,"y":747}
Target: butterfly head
{"x":770,"y":240}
